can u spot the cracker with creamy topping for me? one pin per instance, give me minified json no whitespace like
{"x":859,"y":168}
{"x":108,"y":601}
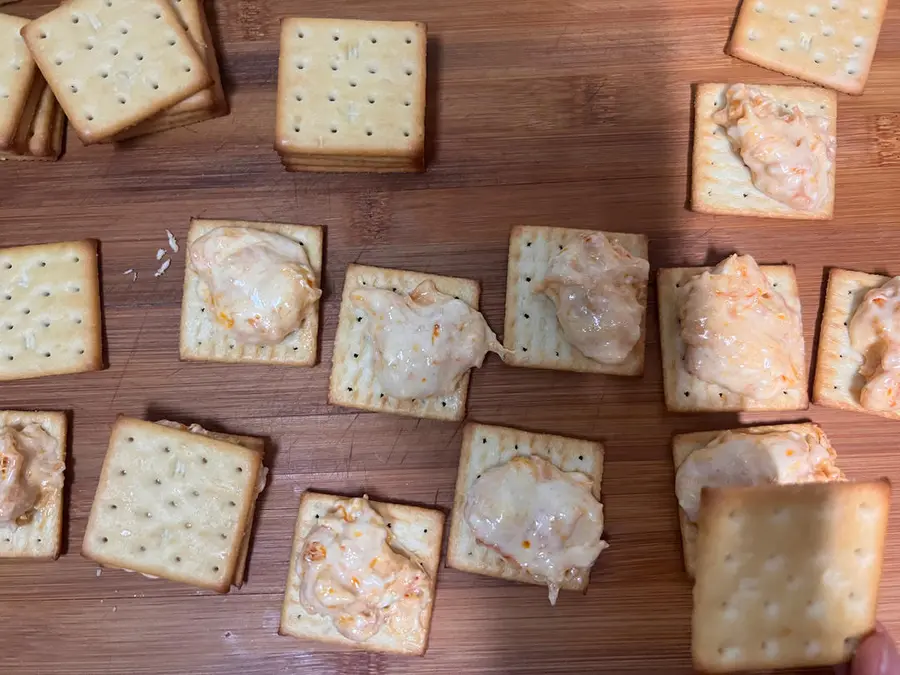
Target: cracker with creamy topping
{"x":38,"y":533}
{"x":827,"y":42}
{"x":354,"y":377}
{"x":351,"y":95}
{"x":684,"y":445}
{"x":720,"y":180}
{"x":532,"y":331}
{"x":787,"y":575}
{"x":112,"y":64}
{"x":174,"y":503}
{"x":486,"y":446}
{"x":415,"y":532}
{"x":207,"y":338}
{"x":838,"y":379}
{"x":49,"y":310}
{"x":685,"y":392}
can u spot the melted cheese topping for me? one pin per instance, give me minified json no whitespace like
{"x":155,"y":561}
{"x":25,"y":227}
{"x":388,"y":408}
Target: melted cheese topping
{"x":29,"y":468}
{"x":257,"y":284}
{"x":739,"y":332}
{"x":597,"y":287}
{"x":350,"y":573}
{"x":875,"y":333}
{"x":744,"y":458}
{"x":545,"y":520}
{"x":424,"y":342}
{"x":789,"y":155}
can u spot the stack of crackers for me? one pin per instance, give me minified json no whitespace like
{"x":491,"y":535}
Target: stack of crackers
{"x":128,"y":68}
{"x":32,"y":123}
{"x":351,"y":96}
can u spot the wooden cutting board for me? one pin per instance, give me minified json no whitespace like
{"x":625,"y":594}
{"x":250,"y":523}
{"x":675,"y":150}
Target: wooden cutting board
{"x":545,"y":112}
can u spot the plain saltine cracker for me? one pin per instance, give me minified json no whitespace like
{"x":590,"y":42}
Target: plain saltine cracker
{"x":414,"y":531}
{"x":17,"y":72}
{"x":351,"y":91}
{"x":828,"y":42}
{"x":684,"y":445}
{"x":787,"y":575}
{"x":112,"y":64}
{"x":354,"y":382}
{"x":838,"y":381}
{"x":41,"y":535}
{"x":204,"y":339}
{"x":484,"y":447}
{"x":173,"y":504}
{"x":686,"y":393}
{"x":721,"y":182}
{"x":531,"y":329}
{"x":49,"y":310}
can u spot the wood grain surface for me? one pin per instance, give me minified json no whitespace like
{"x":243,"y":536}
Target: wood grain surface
{"x":542,"y":112}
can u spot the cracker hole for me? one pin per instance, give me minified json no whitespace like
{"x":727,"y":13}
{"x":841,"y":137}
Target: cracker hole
{"x":687,"y":393}
{"x":300,"y":34}
{"x":123,"y":30}
{"x":195,"y":493}
{"x":216,"y":568}
{"x":114,"y":51}
{"x":43,"y":37}
{"x":332,"y":98}
{"x":74,"y":19}
{"x":232,"y":504}
{"x":373,"y":70}
{"x":334,"y":129}
{"x":373,"y":39}
{"x":408,"y":40}
{"x":58,"y":62}
{"x":240,"y":469}
{"x":27,"y":311}
{"x":371,"y":100}
{"x":813,"y":11}
{"x":334,"y":66}
{"x":73,"y":88}
{"x":858,"y":42}
{"x":139,"y":56}
{"x":171,"y":42}
{"x":785,"y":45}
{"x":113,"y":507}
{"x":524,"y":349}
{"x":406,"y":133}
{"x":104,"y":539}
{"x":104,"y":74}
{"x":368,"y":132}
{"x":178,"y":558}
{"x":407,"y":103}
{"x":122,"y":100}
{"x":819,"y":57}
{"x":187,"y":69}
{"x":46,"y":355}
{"x":408,"y":71}
{"x":353,"y":83}
{"x":751,"y":35}
{"x":355,"y":356}
{"x":835,"y":5}
{"x":349,"y":388}
{"x":336,"y":37}
{"x":851,"y":70}
{"x":828,"y":31}
{"x":793,"y":18}
{"x":389,"y":526}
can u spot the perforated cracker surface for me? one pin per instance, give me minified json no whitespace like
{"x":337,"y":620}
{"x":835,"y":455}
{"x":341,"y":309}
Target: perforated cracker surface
{"x":49,"y":310}
{"x":352,"y":88}
{"x":114,"y":63}
{"x":172,"y":504}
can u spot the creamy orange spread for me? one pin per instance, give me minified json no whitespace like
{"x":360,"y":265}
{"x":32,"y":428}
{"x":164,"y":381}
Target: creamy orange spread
{"x":258,"y":285}
{"x":875,"y":333}
{"x":352,"y":572}
{"x":739,"y":331}
{"x":29,"y":468}
{"x":736,"y":458}
{"x":425,"y":341}
{"x":545,"y":520}
{"x":789,"y":154}
{"x":598,"y":289}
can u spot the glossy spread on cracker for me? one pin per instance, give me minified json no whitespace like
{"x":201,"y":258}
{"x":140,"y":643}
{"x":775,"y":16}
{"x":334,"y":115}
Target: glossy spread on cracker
{"x":29,"y":469}
{"x":739,"y":331}
{"x":875,"y":333}
{"x":598,"y":289}
{"x":789,"y":154}
{"x":736,"y":458}
{"x":257,"y":285}
{"x":545,"y":520}
{"x":352,"y":572}
{"x":425,"y":341}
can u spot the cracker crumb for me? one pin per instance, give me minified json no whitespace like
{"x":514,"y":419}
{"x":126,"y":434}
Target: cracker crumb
{"x":160,"y":252}
{"x":162,"y":268}
{"x":173,"y":242}
{"x":132,"y":273}
{"x":99,"y":571}
{"x":115,"y":609}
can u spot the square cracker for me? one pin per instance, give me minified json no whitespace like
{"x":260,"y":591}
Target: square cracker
{"x":173,"y":504}
{"x":114,"y":64}
{"x":351,"y":89}
{"x":787,"y":575}
{"x":17,"y":72}
{"x":206,"y":104}
{"x":354,"y":383}
{"x":41,"y":536}
{"x":484,"y":447}
{"x":686,"y":393}
{"x":257,"y":445}
{"x":202,"y":339}
{"x":831,"y":42}
{"x":721,"y":182}
{"x":531,"y":329}
{"x":684,"y":445}
{"x":42,"y":138}
{"x":838,"y":381}
{"x":49,"y":310}
{"x":414,"y":530}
